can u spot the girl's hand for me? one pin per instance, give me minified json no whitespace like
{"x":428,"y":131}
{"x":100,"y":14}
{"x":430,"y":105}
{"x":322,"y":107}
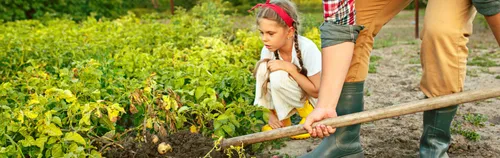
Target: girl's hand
{"x":319,"y":114}
{"x":275,"y":65}
{"x":274,"y":122}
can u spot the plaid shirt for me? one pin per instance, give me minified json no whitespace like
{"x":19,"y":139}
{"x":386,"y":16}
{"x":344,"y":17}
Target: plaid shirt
{"x":340,"y":12}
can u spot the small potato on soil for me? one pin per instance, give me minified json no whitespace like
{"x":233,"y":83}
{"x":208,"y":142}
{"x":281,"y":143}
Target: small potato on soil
{"x":163,"y":148}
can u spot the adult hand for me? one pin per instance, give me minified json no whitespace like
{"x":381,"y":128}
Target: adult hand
{"x":319,"y":114}
{"x":275,"y":65}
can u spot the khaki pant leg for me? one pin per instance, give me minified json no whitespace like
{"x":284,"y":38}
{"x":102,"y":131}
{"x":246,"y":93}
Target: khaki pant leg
{"x":447,"y":25}
{"x":372,"y":14}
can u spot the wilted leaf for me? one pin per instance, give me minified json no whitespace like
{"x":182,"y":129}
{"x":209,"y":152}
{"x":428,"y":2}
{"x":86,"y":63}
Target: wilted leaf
{"x":133,"y":109}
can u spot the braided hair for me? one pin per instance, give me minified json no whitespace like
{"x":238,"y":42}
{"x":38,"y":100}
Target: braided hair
{"x":291,"y":10}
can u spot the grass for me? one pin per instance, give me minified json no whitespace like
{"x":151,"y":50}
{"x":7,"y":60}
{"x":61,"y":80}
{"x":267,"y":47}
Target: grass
{"x":367,"y":93}
{"x":469,"y":134}
{"x":477,"y":120}
{"x":398,"y":52}
{"x":483,"y":61}
{"x":472,"y":72}
{"x":372,"y":68}
{"x":415,"y":61}
{"x":385,"y":42}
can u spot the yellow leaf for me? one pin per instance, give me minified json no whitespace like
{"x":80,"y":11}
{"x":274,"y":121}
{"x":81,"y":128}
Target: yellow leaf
{"x":40,"y":142}
{"x":98,"y":113}
{"x":193,"y":129}
{"x":56,"y":120}
{"x":166,"y":99}
{"x":33,"y":101}
{"x":95,"y":154}
{"x":73,"y":136}
{"x":149,"y":123}
{"x":52,"y":130}
{"x":52,"y":140}
{"x":30,"y":114}
{"x":57,"y":150}
{"x":69,"y":96}
{"x":85,"y":120}
{"x":20,"y":117}
{"x":113,"y":112}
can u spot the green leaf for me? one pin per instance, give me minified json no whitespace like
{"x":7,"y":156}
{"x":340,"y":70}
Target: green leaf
{"x":229,"y":128}
{"x":95,"y":154}
{"x":28,"y":141}
{"x":52,"y":130}
{"x":219,"y":132}
{"x":73,"y":136}
{"x":40,"y":142}
{"x":110,"y":134}
{"x":52,"y":140}
{"x":56,"y":120}
{"x":211,"y":92}
{"x":75,"y":148}
{"x":235,"y":122}
{"x":85,"y":120}
{"x":107,"y":123}
{"x":217,"y":124}
{"x":256,"y":146}
{"x":179,"y":82}
{"x":57,"y":150}
{"x":5,"y":107}
{"x":68,"y":96}
{"x":259,"y":122}
{"x":48,"y":117}
{"x":9,"y":150}
{"x":199,"y":92}
{"x":182,"y":109}
{"x":223,"y":118}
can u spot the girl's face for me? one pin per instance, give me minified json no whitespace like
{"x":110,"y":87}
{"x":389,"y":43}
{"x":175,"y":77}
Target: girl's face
{"x":273,"y":35}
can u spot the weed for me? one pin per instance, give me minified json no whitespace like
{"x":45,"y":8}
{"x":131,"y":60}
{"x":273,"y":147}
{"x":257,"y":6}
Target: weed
{"x":372,"y":68}
{"x":476,"y":119}
{"x":469,"y":134}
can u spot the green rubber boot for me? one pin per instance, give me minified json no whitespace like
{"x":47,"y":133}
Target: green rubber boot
{"x":436,"y":136}
{"x":345,"y":141}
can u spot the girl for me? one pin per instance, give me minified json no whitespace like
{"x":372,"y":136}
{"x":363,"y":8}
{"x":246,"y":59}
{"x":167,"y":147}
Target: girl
{"x":288,"y":74}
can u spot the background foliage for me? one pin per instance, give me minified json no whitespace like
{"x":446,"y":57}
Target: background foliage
{"x":65,"y":85}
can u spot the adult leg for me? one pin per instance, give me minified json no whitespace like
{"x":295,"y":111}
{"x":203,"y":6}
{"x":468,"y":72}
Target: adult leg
{"x":491,"y":11}
{"x":373,"y":15}
{"x":447,"y":25}
{"x":494,"y":22}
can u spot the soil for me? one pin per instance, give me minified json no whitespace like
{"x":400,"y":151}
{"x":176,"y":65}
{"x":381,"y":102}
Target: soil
{"x":397,"y":81}
{"x":184,"y":145}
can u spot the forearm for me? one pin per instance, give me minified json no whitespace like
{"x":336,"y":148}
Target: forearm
{"x":305,"y":84}
{"x":336,"y":60}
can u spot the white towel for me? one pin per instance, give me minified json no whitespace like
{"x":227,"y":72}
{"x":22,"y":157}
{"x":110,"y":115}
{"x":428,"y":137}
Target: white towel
{"x":283,"y":92}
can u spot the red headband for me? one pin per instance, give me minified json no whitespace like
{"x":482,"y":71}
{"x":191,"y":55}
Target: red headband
{"x":288,"y":20}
